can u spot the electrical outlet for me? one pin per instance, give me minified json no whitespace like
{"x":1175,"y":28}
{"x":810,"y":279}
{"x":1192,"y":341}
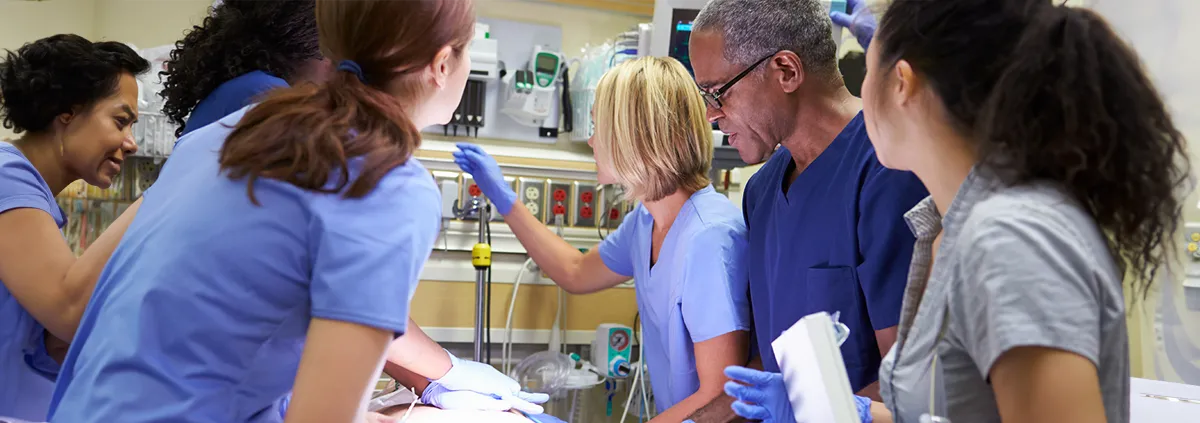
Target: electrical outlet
{"x":584,"y":213}
{"x":610,"y":208}
{"x":616,"y":214}
{"x":532,"y":193}
{"x":560,"y":201}
{"x":469,"y":191}
{"x":447,"y":182}
{"x":1193,"y":242}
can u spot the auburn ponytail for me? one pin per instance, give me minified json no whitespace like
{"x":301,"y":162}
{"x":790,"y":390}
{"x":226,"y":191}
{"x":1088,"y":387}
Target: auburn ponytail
{"x":1051,"y":93}
{"x":306,"y":135}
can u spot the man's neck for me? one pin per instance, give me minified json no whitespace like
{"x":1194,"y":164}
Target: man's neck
{"x":45,"y":154}
{"x":817,"y":123}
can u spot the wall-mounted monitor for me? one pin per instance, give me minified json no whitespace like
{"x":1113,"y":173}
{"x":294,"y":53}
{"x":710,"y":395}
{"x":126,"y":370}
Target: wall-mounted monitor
{"x":681,"y":32}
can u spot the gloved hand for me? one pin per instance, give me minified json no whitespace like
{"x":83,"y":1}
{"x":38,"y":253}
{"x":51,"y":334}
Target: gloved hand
{"x":759,"y":395}
{"x":864,"y":409}
{"x":860,"y":21}
{"x":465,"y":375}
{"x":473,"y":160}
{"x":440,"y":397}
{"x":763,"y":396}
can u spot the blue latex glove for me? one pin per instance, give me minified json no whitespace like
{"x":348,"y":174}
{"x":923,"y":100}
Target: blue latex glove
{"x":763,"y":396}
{"x":864,"y":409}
{"x":759,"y":395}
{"x":473,"y":160}
{"x":465,"y":375}
{"x":860,"y":21}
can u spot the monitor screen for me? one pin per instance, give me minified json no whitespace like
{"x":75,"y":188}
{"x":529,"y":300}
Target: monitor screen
{"x":546,"y":64}
{"x":681,"y":32}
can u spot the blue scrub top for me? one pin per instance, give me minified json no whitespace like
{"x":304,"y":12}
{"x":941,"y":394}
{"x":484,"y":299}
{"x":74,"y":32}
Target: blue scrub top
{"x":231,"y":96}
{"x":835,"y":241}
{"x":695,"y":292}
{"x":202,"y":311}
{"x":26,"y":370}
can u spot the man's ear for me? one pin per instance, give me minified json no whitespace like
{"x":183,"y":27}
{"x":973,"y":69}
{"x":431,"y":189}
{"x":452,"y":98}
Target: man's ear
{"x":792,"y":72}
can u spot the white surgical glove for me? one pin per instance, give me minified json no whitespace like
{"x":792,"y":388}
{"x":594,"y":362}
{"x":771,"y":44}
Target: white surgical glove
{"x":465,"y":375}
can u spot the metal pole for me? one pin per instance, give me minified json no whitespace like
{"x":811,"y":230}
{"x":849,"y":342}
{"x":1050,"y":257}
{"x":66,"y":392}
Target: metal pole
{"x":481,"y":288}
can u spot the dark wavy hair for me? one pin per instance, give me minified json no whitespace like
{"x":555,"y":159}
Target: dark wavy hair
{"x":1051,"y":93}
{"x":239,"y":36}
{"x":61,"y":74}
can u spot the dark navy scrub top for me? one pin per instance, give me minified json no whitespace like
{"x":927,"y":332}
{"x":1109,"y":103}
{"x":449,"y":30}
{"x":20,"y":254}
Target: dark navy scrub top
{"x":230,"y":97}
{"x":835,"y":241}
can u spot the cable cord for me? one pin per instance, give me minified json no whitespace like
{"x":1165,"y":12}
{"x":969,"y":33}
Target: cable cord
{"x":633,"y":388}
{"x":557,"y":340}
{"x":487,"y":228}
{"x":568,"y":119}
{"x":639,"y":377}
{"x":506,"y":349}
{"x":641,"y":361}
{"x":410,"y":406}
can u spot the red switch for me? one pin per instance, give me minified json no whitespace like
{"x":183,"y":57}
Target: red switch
{"x":474,"y":190}
{"x":559,"y":209}
{"x":560,"y":195}
{"x":586,"y":197}
{"x":614,"y":214}
{"x":585,"y":212}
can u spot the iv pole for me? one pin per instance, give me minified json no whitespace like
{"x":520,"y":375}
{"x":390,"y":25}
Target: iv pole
{"x":481,"y":259}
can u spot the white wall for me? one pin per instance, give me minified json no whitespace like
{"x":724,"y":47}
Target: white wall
{"x":147,"y":23}
{"x":25,"y":21}
{"x":1163,"y":32}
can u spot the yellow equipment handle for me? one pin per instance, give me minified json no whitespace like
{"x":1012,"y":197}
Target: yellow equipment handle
{"x":481,"y":256}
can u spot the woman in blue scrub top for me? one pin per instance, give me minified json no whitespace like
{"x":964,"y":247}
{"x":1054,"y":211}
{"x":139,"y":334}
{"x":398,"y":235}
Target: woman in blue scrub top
{"x":1055,"y":175}
{"x":683,"y":245}
{"x":242,"y":50}
{"x":279,"y":251}
{"x":73,"y":103}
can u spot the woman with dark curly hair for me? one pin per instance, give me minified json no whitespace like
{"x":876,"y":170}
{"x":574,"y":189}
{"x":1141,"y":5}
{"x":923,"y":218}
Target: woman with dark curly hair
{"x":241,"y":50}
{"x":1055,"y":173}
{"x":73,"y":103}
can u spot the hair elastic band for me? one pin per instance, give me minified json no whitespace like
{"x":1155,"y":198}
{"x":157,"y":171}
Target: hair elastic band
{"x":352,"y":67}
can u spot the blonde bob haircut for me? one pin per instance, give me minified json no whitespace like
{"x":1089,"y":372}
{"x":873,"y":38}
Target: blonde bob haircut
{"x":651,"y":128}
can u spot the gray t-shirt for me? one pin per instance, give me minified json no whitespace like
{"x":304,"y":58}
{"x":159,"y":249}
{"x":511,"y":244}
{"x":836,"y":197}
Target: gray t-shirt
{"x":1017,"y":266}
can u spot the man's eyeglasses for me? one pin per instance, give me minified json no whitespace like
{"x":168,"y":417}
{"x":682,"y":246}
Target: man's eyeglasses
{"x":714,"y":98}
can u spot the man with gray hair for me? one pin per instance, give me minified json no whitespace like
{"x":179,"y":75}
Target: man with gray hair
{"x":825,"y":219}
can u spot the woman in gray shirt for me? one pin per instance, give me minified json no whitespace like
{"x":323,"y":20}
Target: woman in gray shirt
{"x":1053,"y":168}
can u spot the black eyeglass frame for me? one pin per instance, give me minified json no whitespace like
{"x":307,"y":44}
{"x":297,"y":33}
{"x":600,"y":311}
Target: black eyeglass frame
{"x":713,"y":99}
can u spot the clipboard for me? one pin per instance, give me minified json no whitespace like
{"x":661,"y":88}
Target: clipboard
{"x":810,"y":359}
